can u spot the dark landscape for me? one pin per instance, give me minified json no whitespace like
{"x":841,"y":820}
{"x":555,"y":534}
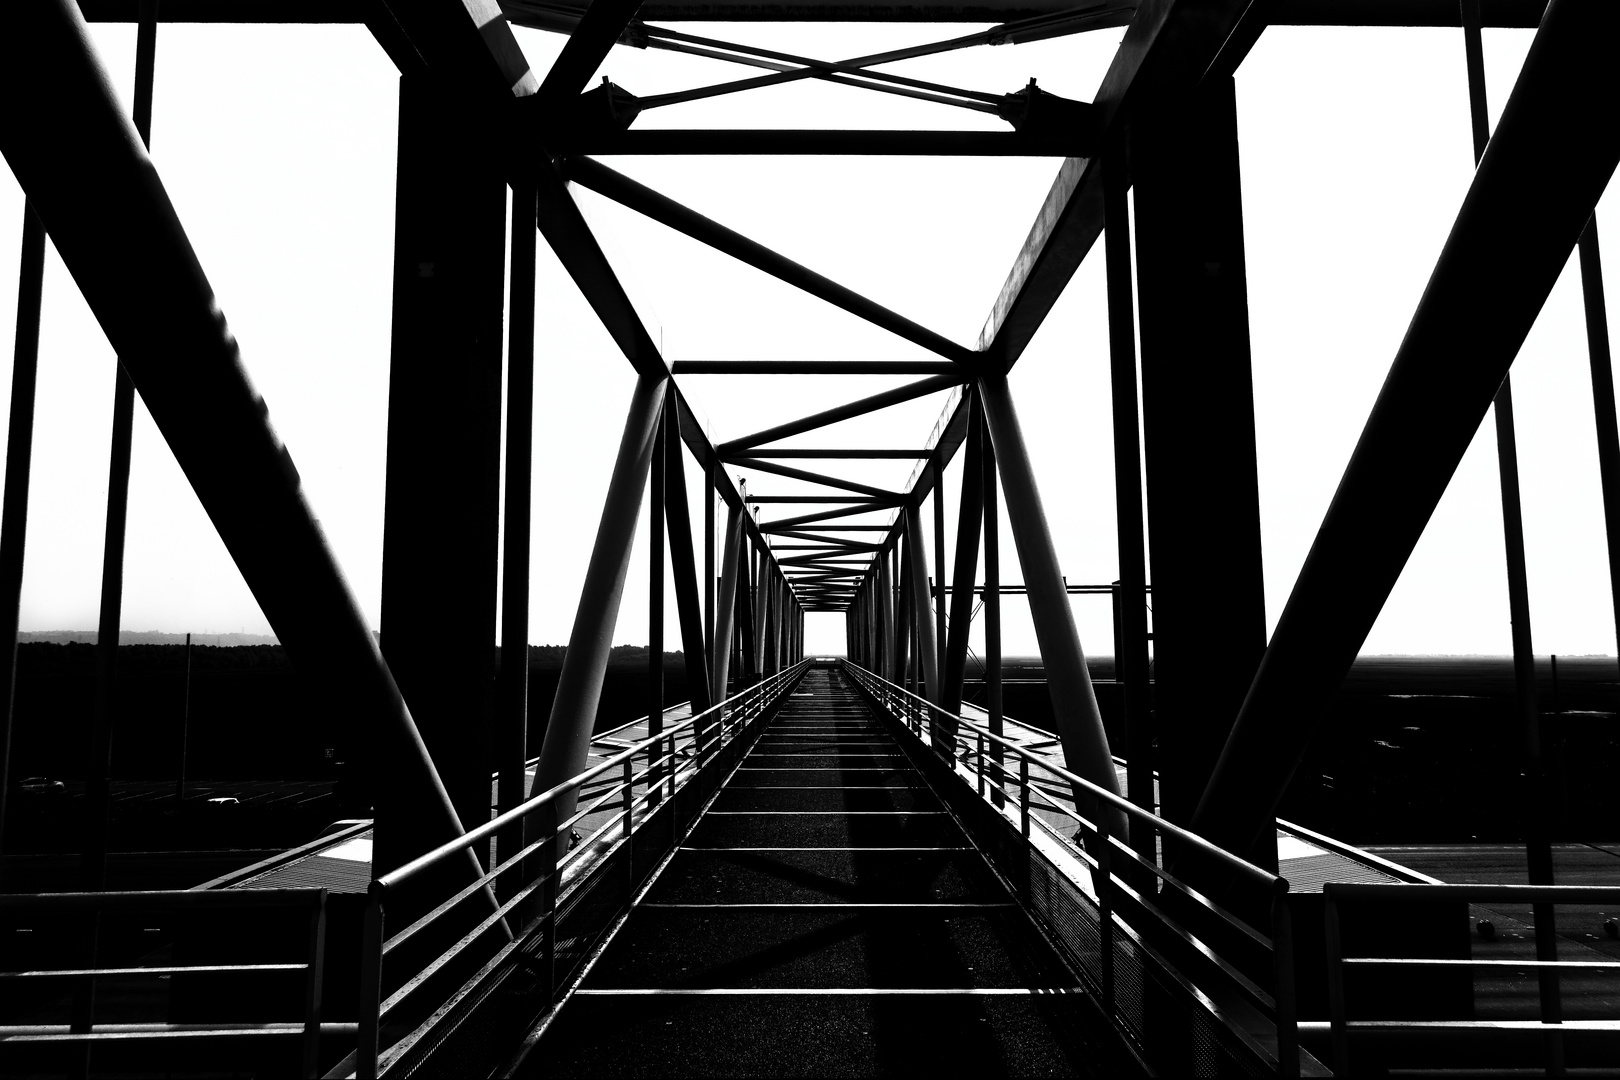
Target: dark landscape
{"x":1424,"y":748}
{"x":1412,"y":749}
{"x":256,"y":734}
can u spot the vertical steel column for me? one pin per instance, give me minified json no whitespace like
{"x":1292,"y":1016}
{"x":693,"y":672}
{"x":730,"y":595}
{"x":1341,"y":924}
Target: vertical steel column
{"x":512,"y":693}
{"x":904,"y":613}
{"x":968,"y":524}
{"x":655,"y":603}
{"x":1074,"y":702}
{"x":1130,"y":651}
{"x":19,"y":459}
{"x":748,"y":670}
{"x":761,"y":608}
{"x":441,"y":514}
{"x":709,"y":567}
{"x":1608,"y":432}
{"x":104,"y":205}
{"x":937,"y":598}
{"x":726,"y":603}
{"x":677,"y":514}
{"x":1530,"y":199}
{"x":889,"y":649}
{"x":778,"y":619}
{"x":185,"y":727}
{"x":1203,"y":504}
{"x":1534,"y":790}
{"x":927,"y":649}
{"x":98,"y":777}
{"x":992,"y":600}
{"x":579,"y":688}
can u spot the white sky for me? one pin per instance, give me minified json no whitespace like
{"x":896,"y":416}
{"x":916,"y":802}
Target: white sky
{"x":277,"y":147}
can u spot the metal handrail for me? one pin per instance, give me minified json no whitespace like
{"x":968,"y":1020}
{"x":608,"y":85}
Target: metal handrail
{"x":1192,"y":839}
{"x":183,"y":901}
{"x":1279,"y":1005}
{"x":1337,"y":893}
{"x":662,"y":777}
{"x":401,"y":874}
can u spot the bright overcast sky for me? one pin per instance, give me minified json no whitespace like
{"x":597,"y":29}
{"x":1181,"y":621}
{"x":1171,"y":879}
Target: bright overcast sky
{"x":277,"y":147}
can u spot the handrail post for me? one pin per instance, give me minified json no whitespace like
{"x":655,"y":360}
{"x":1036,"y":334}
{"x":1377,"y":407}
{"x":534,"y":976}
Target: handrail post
{"x":1335,"y":983}
{"x":629,"y":825}
{"x":548,"y":893}
{"x":314,"y":975}
{"x":1282,"y":952}
{"x":1105,"y":909}
{"x":980,"y":765}
{"x":629,"y":780}
{"x":1023,"y":794}
{"x":371,"y":961}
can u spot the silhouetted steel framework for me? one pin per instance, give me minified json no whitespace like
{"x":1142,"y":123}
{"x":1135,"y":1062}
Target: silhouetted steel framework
{"x":1233,"y":713}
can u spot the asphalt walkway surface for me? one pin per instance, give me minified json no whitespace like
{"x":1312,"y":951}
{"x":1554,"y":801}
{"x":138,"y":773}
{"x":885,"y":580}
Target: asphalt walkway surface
{"x":825,"y":917}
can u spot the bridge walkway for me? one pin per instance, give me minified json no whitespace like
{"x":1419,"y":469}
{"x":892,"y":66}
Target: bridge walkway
{"x":825,"y":916}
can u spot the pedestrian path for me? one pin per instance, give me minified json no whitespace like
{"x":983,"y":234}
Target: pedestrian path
{"x":825,"y":916}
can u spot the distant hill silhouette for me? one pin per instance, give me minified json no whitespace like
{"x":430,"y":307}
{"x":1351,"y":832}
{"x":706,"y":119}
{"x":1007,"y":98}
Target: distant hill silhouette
{"x":145,"y":637}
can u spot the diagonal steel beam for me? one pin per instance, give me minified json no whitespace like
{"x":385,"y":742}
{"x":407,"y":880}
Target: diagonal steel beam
{"x":112,"y":222}
{"x":836,"y":542}
{"x":909,"y":392}
{"x":566,"y":230}
{"x":466,"y":44}
{"x":1072,"y":20}
{"x":621,"y":189}
{"x":1166,"y":50}
{"x":823,"y":516}
{"x":811,"y":477}
{"x":683,"y":559}
{"x":856,"y":75}
{"x":1531,"y":197}
{"x":587,"y":46}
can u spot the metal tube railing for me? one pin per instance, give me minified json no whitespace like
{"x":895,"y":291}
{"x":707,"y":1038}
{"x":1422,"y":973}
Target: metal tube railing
{"x":665,"y":767}
{"x":1107,"y":855}
{"x":1337,"y":894}
{"x":190,"y":902}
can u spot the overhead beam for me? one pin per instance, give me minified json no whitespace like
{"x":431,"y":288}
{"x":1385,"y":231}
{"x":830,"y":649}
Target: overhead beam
{"x":466,"y":44}
{"x":813,"y":367}
{"x":1165,"y":51}
{"x":621,"y":189}
{"x":837,"y":543}
{"x":767,"y":142}
{"x":861,"y":503}
{"x":909,"y":392}
{"x":824,"y":480}
{"x":875,"y":455}
{"x":1503,"y":13}
{"x":587,"y":46}
{"x":824,"y":516}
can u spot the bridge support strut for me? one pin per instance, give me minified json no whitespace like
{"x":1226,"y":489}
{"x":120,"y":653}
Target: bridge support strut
{"x":579,"y":688}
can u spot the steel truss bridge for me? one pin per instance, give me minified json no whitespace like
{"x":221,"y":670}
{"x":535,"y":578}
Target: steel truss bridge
{"x":814,"y":865}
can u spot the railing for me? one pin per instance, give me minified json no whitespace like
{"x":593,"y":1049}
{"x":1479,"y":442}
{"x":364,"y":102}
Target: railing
{"x":193,"y":907}
{"x":1136,"y":895}
{"x":526,"y":918}
{"x":1445,"y":1033}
